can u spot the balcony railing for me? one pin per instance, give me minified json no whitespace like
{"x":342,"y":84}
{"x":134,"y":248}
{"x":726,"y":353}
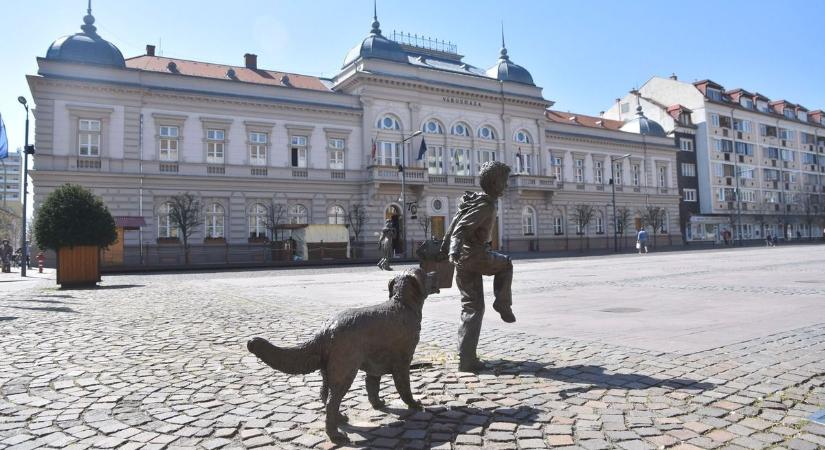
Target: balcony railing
{"x":533,"y":182}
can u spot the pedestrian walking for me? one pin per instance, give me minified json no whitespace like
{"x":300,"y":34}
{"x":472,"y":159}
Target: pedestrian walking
{"x":641,"y":241}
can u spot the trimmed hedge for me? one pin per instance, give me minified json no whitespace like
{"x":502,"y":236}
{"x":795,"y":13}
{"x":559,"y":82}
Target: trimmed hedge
{"x":71,"y":215}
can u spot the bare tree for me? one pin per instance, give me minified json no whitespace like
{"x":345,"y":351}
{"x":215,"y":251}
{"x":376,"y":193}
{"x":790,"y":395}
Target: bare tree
{"x":809,"y":210}
{"x":623,"y":218}
{"x":356,"y":218}
{"x":275,"y":216}
{"x":186,"y":214}
{"x":426,"y":223}
{"x":582,"y":216}
{"x":10,"y":226}
{"x":654,"y":217}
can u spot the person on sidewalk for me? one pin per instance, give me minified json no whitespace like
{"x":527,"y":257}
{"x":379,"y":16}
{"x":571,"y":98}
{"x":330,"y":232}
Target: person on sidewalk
{"x":467,"y":244}
{"x":641,"y":241}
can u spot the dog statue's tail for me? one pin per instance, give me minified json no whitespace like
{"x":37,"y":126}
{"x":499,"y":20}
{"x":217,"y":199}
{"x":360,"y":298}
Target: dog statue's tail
{"x":293,"y":360}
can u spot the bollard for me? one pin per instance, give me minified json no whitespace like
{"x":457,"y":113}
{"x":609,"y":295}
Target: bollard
{"x":40,"y":259}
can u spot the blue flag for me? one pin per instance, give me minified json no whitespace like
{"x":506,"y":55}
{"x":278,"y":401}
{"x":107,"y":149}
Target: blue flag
{"x":4,"y":140}
{"x":422,"y":149}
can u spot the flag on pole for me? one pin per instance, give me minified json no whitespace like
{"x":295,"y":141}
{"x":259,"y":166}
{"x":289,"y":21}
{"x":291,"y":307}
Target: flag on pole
{"x":4,"y":140}
{"x":422,"y":149}
{"x":374,"y":150}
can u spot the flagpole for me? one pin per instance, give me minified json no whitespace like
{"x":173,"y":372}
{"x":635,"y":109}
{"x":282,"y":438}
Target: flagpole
{"x":404,"y":191}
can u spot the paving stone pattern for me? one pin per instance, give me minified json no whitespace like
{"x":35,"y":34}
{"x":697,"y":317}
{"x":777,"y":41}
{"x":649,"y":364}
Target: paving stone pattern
{"x":160,"y":362}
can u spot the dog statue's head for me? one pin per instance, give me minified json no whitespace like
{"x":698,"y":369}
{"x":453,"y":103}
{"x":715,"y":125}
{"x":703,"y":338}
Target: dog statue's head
{"x":413,"y":286}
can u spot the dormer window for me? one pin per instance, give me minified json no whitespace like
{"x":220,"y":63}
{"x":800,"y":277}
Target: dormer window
{"x":684,"y":118}
{"x":762,"y":106}
{"x":803,"y":116}
{"x":746,"y":102}
{"x":789,"y":113}
{"x":714,"y":94}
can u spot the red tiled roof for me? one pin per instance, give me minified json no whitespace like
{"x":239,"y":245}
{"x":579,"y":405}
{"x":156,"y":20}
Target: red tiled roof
{"x":678,"y":107}
{"x":219,"y":71}
{"x":582,"y":120}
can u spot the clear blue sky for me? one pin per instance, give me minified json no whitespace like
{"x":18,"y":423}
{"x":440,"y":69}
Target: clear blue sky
{"x":583,"y":53}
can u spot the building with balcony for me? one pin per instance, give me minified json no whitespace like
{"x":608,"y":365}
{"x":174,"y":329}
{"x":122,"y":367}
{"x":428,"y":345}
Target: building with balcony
{"x":250,"y":141}
{"x":760,"y":164}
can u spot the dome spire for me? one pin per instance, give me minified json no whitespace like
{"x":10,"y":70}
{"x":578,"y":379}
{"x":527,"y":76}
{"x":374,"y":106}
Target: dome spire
{"x":88,"y":21}
{"x":503,"y":54}
{"x":376,"y":26}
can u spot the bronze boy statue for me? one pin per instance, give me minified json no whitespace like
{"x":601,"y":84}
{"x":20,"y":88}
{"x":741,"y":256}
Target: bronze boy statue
{"x":467,"y":243}
{"x":385,"y":245}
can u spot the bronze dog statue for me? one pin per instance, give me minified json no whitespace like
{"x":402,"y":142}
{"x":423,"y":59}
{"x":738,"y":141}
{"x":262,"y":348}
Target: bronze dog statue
{"x":379,"y":339}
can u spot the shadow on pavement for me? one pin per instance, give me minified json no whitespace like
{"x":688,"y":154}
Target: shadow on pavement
{"x":64,"y":309}
{"x":596,"y":378}
{"x":6,"y":318}
{"x":55,"y":296}
{"x":446,"y":423}
{"x":34,"y":300}
{"x":100,"y":288}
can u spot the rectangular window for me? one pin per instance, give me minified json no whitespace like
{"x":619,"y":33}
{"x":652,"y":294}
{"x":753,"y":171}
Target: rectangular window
{"x":803,"y":116}
{"x":714,"y":119}
{"x":714,"y":94}
{"x":169,"y":137}
{"x":214,"y":146}
{"x":786,"y":134}
{"x":298,"y":151}
{"x":389,"y":153}
{"x":686,"y":145}
{"x":743,"y":148}
{"x":336,"y":153}
{"x":772,"y":152}
{"x":746,"y":172}
{"x":762,"y":105}
{"x":746,"y":102}
{"x":598,"y":172}
{"x":460,"y":161}
{"x":599,"y":225}
{"x":336,"y":143}
{"x":786,"y":155}
{"x":725,"y":194}
{"x":483,"y":156}
{"x":579,"y":164}
{"x":557,"y":168}
{"x":747,"y":195}
{"x":808,"y":158}
{"x":770,"y":174}
{"x":789,"y":113}
{"x":88,"y":137}
{"x":662,"y":176}
{"x":689,"y":195}
{"x":257,"y":148}
{"x":617,"y":173}
{"x":724,"y":145}
{"x":688,"y":170}
{"x":635,"y":173}
{"x":435,"y":160}
{"x":767,"y":130}
{"x":742,"y":125}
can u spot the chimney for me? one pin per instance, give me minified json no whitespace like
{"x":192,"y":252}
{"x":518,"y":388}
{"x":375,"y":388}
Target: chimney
{"x":251,"y":61}
{"x":150,"y":50}
{"x":673,"y":77}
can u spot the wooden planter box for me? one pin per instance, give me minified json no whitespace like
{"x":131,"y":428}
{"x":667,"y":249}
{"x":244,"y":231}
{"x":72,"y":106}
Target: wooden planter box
{"x":78,"y":266}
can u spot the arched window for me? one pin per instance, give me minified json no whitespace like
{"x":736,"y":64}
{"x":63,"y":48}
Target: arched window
{"x":336,"y":215}
{"x":215,"y":221}
{"x":388,"y":122}
{"x":166,"y":228}
{"x":522,"y":137}
{"x":558,"y":224}
{"x":528,"y":221}
{"x":460,"y":129}
{"x":257,"y":221}
{"x":298,"y":214}
{"x":487,"y":132}
{"x":433,"y":127}
{"x":663,"y":225}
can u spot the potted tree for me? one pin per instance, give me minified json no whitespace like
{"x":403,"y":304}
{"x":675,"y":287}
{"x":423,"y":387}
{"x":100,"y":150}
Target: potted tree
{"x":76,"y":225}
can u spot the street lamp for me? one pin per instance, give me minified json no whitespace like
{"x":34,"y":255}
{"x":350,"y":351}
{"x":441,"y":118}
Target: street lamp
{"x":27,"y":150}
{"x":404,"y":191}
{"x":613,"y":160}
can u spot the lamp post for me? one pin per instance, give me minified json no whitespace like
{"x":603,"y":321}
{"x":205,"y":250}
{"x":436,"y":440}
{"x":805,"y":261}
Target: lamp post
{"x":27,"y":150}
{"x":404,"y":191}
{"x":613,"y":160}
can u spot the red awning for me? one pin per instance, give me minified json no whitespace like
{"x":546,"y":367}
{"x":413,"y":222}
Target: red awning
{"x":129,"y":222}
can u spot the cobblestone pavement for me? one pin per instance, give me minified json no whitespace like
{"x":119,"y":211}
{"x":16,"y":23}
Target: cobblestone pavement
{"x":159,"y":361}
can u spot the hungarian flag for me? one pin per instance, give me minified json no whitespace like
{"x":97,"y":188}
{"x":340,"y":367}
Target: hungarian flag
{"x":422,"y":149}
{"x":4,"y":140}
{"x":374,"y":150}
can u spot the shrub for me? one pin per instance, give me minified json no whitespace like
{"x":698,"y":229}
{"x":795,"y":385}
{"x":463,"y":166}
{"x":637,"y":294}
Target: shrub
{"x":71,"y":215}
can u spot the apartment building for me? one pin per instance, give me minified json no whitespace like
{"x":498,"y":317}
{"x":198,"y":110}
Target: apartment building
{"x":760,"y":163}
